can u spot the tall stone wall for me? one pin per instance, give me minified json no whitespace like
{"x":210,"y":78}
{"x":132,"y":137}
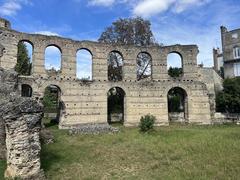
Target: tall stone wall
{"x":87,"y":102}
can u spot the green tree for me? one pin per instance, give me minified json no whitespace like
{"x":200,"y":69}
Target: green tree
{"x":23,"y":65}
{"x":128,"y":31}
{"x":115,"y":63}
{"x":229,"y":99}
{"x":50,"y":100}
{"x":174,"y":72}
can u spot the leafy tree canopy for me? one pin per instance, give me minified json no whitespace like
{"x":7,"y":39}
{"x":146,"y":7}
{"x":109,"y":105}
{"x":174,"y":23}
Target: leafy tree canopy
{"x":129,"y":31}
{"x":229,"y":99}
{"x":23,"y":65}
{"x":174,"y":72}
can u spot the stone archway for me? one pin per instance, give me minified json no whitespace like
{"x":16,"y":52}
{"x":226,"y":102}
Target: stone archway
{"x":115,"y":105}
{"x":177,"y":105}
{"x":53,"y":105}
{"x":26,"y":90}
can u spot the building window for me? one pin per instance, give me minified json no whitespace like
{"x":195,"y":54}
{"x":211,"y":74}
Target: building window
{"x":236,"y":52}
{"x":236,"y":69}
{"x":235,"y":36}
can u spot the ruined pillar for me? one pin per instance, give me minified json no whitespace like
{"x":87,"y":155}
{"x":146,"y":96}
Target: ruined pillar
{"x":22,"y":118}
{"x":20,"y":123}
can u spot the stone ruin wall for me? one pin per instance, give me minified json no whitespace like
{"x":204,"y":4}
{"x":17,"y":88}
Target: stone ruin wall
{"x":87,"y":103}
{"x":20,"y":124}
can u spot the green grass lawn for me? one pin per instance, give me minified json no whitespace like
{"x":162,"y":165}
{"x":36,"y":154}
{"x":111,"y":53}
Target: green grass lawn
{"x":2,"y":168}
{"x":174,"y":152}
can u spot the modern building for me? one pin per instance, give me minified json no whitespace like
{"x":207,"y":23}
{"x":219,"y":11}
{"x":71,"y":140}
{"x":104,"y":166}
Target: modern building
{"x":231,"y":52}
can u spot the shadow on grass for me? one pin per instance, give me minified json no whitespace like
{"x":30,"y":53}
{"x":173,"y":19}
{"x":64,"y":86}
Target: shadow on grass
{"x":49,"y":159}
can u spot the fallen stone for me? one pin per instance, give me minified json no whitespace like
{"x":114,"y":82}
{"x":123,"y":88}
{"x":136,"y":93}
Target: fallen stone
{"x":93,"y":129}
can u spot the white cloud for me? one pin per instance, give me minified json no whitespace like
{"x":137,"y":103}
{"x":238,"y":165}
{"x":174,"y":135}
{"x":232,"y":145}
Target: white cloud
{"x":101,"y":2}
{"x":10,"y":7}
{"x":147,"y":8}
{"x":182,"y":5}
{"x":47,"y":33}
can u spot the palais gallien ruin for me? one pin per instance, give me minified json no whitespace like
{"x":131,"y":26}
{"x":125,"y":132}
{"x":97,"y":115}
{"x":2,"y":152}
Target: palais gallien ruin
{"x":84,"y":102}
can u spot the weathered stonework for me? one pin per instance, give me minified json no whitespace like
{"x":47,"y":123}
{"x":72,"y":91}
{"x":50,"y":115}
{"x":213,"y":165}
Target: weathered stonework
{"x":23,"y":123}
{"x":20,"y":123}
{"x":84,"y":103}
{"x":8,"y":89}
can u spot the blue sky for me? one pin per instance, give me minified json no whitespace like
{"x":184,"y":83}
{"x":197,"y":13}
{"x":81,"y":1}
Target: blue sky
{"x":173,"y":21}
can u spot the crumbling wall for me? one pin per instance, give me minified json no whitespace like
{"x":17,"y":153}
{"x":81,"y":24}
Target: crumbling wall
{"x":20,"y":123}
{"x":86,"y":103}
{"x":22,"y":118}
{"x":8,"y":89}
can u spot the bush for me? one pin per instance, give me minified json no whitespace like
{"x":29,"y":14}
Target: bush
{"x":229,"y":99}
{"x":146,"y":123}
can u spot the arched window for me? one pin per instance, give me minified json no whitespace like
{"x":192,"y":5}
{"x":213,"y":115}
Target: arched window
{"x":53,"y":60}
{"x":52,"y":103}
{"x":144,"y":66}
{"x":115,"y":66}
{"x":116,"y":105}
{"x":24,"y":58}
{"x":26,"y":90}
{"x":174,"y":64}
{"x":236,"y":52}
{"x":84,"y":64}
{"x":177,"y":105}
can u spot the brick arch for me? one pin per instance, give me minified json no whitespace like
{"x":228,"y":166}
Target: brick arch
{"x":123,"y":106}
{"x":26,"y":90}
{"x":151,"y":64}
{"x":90,"y":52}
{"x":184,"y":102}
{"x":42,"y":88}
{"x":26,"y":40}
{"x":61,"y":105}
{"x":173,"y":85}
{"x":122,"y":69}
{"x":54,"y":45}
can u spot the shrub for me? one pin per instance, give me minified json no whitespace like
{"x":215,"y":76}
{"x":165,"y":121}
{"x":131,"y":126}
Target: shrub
{"x":229,"y":99}
{"x":146,"y":123}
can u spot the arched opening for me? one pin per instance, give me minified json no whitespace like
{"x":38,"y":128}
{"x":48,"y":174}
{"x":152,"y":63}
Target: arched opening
{"x":26,"y":90}
{"x":144,"y":66}
{"x":53,"y":60}
{"x":115,"y":66}
{"x":174,"y":64}
{"x":116,"y":96}
{"x":24,"y":58}
{"x":52,"y":103}
{"x":177,"y":105}
{"x":84,"y":64}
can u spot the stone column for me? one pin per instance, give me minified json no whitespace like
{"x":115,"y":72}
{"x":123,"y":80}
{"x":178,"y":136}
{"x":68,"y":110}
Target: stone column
{"x":38,"y":66}
{"x":22,"y":118}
